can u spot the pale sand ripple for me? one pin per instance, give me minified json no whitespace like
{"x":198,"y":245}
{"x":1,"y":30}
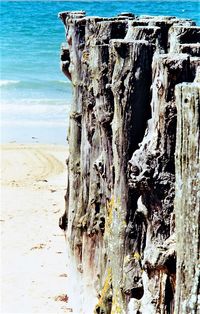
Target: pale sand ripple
{"x":33,"y":253}
{"x":28,"y":165}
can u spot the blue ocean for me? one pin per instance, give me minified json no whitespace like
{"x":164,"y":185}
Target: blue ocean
{"x":35,"y":96}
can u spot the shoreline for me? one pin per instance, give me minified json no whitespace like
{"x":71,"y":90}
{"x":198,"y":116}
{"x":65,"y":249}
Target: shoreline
{"x":32,"y":145}
{"x":33,"y":254}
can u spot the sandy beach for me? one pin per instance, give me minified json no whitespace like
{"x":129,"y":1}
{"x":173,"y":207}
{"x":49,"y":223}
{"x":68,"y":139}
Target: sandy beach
{"x":33,"y":253}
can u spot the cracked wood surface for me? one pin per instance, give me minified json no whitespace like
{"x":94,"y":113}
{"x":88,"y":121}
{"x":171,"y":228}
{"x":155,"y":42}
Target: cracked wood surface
{"x":122,"y":179}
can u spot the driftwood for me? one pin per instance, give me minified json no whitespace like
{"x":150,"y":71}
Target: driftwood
{"x":133,"y":150}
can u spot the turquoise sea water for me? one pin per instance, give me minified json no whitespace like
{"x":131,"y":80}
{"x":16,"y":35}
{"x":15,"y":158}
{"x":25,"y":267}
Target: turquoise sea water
{"x":35,"y":96}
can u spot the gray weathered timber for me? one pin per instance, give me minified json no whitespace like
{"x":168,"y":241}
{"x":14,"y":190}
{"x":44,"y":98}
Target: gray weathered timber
{"x":123,"y":173}
{"x":183,"y":35}
{"x":187,"y":200}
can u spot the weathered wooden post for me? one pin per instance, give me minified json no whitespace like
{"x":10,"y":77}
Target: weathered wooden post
{"x":134,"y":252}
{"x":187,"y":199}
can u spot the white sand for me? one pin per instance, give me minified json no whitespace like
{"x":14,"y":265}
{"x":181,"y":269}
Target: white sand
{"x":33,"y":254}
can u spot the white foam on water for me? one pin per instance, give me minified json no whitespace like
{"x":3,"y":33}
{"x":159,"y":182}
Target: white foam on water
{"x":63,"y":82}
{"x":8,"y":82}
{"x":35,"y":123}
{"x":45,"y":119}
{"x":33,"y":109}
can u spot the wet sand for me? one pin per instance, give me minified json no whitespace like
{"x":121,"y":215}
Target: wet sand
{"x":33,"y":253}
